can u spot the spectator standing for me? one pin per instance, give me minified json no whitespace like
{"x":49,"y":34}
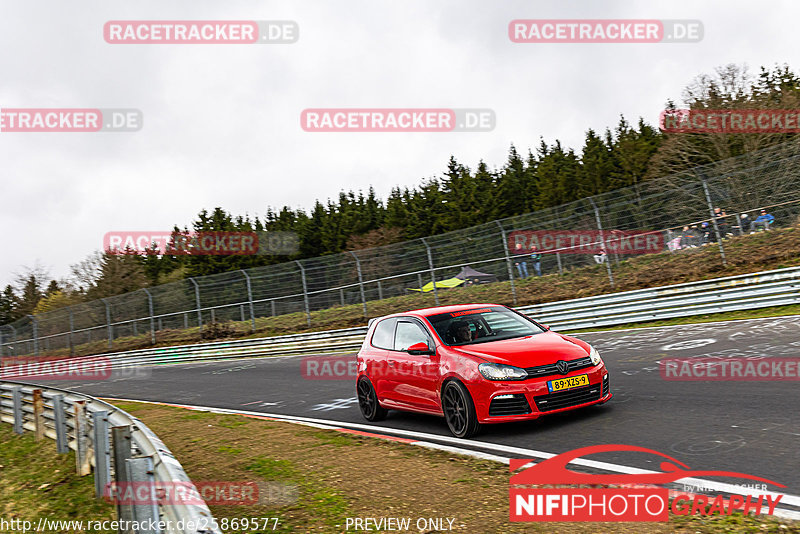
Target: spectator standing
{"x":722,"y":221}
{"x":536,"y":259}
{"x":705,"y":233}
{"x":764,"y":221}
{"x":519,"y":262}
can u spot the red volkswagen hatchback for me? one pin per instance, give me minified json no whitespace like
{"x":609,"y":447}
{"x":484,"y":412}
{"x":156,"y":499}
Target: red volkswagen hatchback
{"x":475,"y":364}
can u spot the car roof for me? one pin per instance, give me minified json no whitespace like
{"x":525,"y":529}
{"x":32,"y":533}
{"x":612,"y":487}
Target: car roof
{"x":427,"y":312}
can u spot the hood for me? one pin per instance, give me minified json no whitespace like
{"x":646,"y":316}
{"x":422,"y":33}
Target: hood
{"x":530,"y":351}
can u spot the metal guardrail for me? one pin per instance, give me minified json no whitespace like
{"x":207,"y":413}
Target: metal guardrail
{"x":85,"y":424}
{"x":733,"y":293}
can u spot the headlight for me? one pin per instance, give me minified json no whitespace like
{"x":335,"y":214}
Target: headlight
{"x":498,"y":371}
{"x":595,"y":356}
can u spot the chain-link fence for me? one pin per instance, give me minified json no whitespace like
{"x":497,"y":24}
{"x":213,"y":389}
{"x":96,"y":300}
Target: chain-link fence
{"x":768,"y":179}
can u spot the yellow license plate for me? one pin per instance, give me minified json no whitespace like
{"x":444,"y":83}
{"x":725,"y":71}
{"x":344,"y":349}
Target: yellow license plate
{"x":568,"y":383}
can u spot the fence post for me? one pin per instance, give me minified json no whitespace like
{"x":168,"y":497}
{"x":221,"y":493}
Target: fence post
{"x":152,"y":319}
{"x":508,"y":262}
{"x":360,"y":283}
{"x":38,"y":415}
{"x":250,"y":301}
{"x":140,"y":471}
{"x":197,"y":302}
{"x":380,"y":291}
{"x":305,"y":291}
{"x":13,"y":347}
{"x":602,"y":241}
{"x":102,"y":460}
{"x":713,"y":218}
{"x":433,"y":276}
{"x":558,"y":259}
{"x":71,"y":331}
{"x":60,"y":422}
{"x":121,"y":439}
{"x":82,"y":465}
{"x":419,"y":279}
{"x":272,"y":307}
{"x":341,"y":295}
{"x":35,"y":335}
{"x":16,"y":399}
{"x":108,"y":324}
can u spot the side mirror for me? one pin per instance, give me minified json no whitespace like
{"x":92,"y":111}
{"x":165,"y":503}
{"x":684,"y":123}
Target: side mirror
{"x":419,"y":349}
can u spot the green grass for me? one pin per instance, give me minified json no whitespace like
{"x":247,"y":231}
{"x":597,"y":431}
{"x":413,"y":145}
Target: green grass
{"x":316,"y":499}
{"x":39,"y":483}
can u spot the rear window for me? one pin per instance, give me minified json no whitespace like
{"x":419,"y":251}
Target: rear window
{"x":383,"y":336}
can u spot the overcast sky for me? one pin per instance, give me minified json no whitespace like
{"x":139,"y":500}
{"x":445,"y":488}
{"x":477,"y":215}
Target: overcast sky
{"x":221,"y":122}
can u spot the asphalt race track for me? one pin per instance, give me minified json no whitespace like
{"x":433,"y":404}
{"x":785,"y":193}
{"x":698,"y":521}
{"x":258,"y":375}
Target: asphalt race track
{"x":748,"y":427}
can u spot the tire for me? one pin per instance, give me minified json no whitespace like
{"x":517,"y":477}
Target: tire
{"x":368,"y":401}
{"x":459,"y":410}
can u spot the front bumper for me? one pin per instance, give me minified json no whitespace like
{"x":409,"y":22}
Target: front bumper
{"x":530,"y":399}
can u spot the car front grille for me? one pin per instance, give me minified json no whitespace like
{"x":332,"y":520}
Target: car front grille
{"x":570,"y":397}
{"x":552,"y":369}
{"x":509,"y":405}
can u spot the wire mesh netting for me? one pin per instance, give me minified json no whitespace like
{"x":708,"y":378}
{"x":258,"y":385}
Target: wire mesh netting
{"x":737,"y":189}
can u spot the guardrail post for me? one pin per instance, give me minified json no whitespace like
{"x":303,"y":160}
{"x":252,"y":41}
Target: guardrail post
{"x":82,"y":465}
{"x":35,"y":325}
{"x":250,"y":301}
{"x":508,"y":262}
{"x":433,"y":275}
{"x":38,"y":415}
{"x":305,"y":291}
{"x":102,"y":460}
{"x":602,"y":241}
{"x":152,"y":318}
{"x":558,"y":259}
{"x":272,"y":307}
{"x":419,"y":279}
{"x":380,"y":291}
{"x":140,"y":471}
{"x":16,"y":399}
{"x":60,"y":422}
{"x":360,"y":283}
{"x":197,"y":302}
{"x":713,"y":218}
{"x":121,"y":438}
{"x":341,"y":295}
{"x":71,"y":331}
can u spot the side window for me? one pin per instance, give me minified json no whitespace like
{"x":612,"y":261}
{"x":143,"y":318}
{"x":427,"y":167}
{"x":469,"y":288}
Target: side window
{"x":408,"y":334}
{"x":383,"y":336}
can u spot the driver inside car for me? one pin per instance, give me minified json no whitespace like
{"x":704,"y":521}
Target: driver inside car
{"x":460,"y":332}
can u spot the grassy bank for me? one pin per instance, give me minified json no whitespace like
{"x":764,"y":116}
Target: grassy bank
{"x":35,"y":483}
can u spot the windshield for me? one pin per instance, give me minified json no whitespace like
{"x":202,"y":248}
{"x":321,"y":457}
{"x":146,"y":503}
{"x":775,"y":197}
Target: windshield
{"x":480,"y":325}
